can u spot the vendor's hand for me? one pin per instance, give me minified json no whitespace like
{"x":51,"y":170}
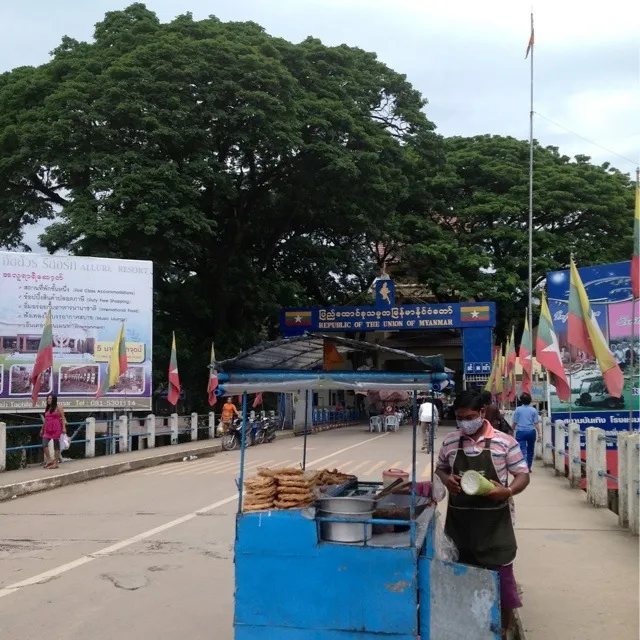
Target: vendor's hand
{"x":453,"y":484}
{"x":539,"y":437}
{"x":500,"y":492}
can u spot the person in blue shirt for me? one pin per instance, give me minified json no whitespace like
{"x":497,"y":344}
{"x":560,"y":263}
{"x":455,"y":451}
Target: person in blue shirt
{"x":526,"y":424}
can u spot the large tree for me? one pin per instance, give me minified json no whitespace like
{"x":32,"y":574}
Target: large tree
{"x":252,"y":171}
{"x":473,"y":240}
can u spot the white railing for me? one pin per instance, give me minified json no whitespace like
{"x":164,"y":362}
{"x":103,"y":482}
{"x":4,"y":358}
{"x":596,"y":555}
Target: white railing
{"x":119,"y":434}
{"x":563,"y":453}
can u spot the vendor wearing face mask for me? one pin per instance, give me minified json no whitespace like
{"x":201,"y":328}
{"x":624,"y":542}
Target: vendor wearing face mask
{"x":481,"y":526}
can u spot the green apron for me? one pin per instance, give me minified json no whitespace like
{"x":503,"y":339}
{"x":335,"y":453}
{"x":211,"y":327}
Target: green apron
{"x":481,"y":528}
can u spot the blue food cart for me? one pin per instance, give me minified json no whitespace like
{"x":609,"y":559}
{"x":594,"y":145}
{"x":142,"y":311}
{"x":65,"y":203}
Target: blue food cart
{"x":295,"y":581}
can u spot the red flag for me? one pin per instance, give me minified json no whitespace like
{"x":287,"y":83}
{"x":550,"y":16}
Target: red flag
{"x":331,"y":356}
{"x":548,"y":352}
{"x":635,"y":260}
{"x":213,"y":379}
{"x":44,"y":359}
{"x":174,"y":377}
{"x":531,"y":40}
{"x":257,"y":401}
{"x":526,"y":359}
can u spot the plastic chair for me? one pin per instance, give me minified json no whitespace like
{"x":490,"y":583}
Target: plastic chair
{"x":375,"y":423}
{"x":391,"y":422}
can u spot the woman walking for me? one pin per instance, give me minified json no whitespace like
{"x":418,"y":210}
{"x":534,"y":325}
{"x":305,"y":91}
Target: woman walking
{"x":55,"y":424}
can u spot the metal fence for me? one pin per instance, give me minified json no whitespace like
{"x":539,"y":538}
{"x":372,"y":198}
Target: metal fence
{"x":580,"y":456}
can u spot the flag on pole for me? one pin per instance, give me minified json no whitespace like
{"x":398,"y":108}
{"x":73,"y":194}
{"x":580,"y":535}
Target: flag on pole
{"x":174,"y":377}
{"x":526,"y":361}
{"x":635,"y":261}
{"x":257,"y":401}
{"x":490,"y":386}
{"x":548,"y":352}
{"x":44,"y":359}
{"x":511,"y":354}
{"x":578,"y":333}
{"x":611,"y":371}
{"x":213,"y":379}
{"x":499,"y":382}
{"x":331,"y":357}
{"x":117,"y":364}
{"x":531,"y":40}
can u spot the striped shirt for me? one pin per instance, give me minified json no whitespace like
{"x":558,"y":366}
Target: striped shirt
{"x":505,"y":451}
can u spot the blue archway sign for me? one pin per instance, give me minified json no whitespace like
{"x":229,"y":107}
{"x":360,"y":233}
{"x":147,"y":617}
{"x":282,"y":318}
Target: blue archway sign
{"x":476,"y":319}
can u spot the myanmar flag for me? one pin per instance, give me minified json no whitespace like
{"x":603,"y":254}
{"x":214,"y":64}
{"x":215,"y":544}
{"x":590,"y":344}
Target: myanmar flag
{"x":478,"y":313}
{"x":213,"y":379}
{"x":511,"y":355}
{"x":299,"y":318}
{"x":578,"y":331}
{"x":611,"y":372}
{"x":44,"y":359}
{"x":174,"y":377}
{"x":548,"y":352}
{"x":117,"y":364}
{"x":526,"y":360}
{"x":635,"y":261}
{"x":492,"y":376}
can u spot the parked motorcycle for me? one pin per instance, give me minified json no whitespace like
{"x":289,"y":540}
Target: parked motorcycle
{"x":266,"y":430}
{"x":233,"y":437}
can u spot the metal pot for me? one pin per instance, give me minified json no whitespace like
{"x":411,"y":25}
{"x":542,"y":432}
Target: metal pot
{"x":352,"y":505}
{"x":345,"y":531}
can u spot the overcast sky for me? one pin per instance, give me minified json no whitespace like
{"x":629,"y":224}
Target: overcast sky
{"x":465,"y":56}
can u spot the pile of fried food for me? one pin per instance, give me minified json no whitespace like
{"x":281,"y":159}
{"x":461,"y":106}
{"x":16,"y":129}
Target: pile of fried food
{"x":287,"y":488}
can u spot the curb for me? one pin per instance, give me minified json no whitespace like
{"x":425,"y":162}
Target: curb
{"x":9,"y":491}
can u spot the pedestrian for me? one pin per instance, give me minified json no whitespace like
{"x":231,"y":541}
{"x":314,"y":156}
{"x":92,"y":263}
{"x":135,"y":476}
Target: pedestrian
{"x":482,"y":526}
{"x":55,"y":424}
{"x":229,"y":410}
{"x":526,"y":423}
{"x":428,"y":419}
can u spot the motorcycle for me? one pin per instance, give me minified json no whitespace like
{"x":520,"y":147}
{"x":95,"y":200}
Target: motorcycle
{"x":232,"y":438}
{"x":266,"y":431}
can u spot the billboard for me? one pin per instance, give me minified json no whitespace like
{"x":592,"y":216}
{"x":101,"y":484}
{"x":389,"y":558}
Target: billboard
{"x":609,"y":290}
{"x":89,"y":298}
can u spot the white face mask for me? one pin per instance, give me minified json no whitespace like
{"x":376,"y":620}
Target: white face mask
{"x":469,"y":427}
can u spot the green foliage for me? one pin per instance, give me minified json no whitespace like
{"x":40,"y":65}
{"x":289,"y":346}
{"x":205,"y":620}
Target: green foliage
{"x":474,"y":241}
{"x":256,"y":173}
{"x":249,"y":169}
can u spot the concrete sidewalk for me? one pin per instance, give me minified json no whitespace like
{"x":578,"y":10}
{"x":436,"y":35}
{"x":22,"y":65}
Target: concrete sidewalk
{"x":25,"y":481}
{"x":578,"y":570}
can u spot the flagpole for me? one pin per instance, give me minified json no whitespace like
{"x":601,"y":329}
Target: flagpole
{"x":634,"y":336}
{"x":531,"y":52}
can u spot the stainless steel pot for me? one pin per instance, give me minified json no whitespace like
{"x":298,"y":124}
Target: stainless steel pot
{"x":345,"y":531}
{"x":347,"y":505}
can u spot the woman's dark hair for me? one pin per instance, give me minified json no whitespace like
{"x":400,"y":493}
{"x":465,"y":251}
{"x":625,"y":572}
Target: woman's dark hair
{"x":469,"y":400}
{"x":487,"y":398}
{"x":525,"y":398}
{"x":51,"y":407}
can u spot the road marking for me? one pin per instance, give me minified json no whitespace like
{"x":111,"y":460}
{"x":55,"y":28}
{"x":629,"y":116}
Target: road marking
{"x":362,"y":464}
{"x":254,"y":465}
{"x":69,"y":566}
{"x":342,"y":466}
{"x":369,"y":472}
{"x":58,"y":571}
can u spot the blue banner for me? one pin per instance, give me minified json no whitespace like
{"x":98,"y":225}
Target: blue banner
{"x":477,"y":350}
{"x":405,"y":317}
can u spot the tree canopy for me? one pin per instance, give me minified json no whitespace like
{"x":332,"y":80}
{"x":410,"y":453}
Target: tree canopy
{"x":258,"y":173}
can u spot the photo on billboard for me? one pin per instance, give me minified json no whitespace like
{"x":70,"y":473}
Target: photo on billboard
{"x":89,"y":299}
{"x":609,"y":290}
{"x":20,"y":381}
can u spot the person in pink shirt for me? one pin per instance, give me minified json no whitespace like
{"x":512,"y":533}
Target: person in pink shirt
{"x":55,"y":424}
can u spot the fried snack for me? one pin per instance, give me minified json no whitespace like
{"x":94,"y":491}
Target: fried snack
{"x":289,"y":504}
{"x":294,"y":490}
{"x":265,"y":494}
{"x":259,"y":483}
{"x":293,"y":481}
{"x":296,"y":497}
{"x":265,"y":506}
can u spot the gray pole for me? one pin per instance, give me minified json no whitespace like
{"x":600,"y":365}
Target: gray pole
{"x":531,"y":185}
{"x":634,"y":334}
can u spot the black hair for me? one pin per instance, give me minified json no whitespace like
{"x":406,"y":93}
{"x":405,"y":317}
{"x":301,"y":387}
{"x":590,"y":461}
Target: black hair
{"x":525,"y":398}
{"x":469,"y":400}
{"x":50,"y":408}
{"x":487,"y":398}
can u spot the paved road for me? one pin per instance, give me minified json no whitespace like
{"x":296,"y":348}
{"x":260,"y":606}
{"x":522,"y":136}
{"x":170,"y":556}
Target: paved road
{"x":149,"y":554}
